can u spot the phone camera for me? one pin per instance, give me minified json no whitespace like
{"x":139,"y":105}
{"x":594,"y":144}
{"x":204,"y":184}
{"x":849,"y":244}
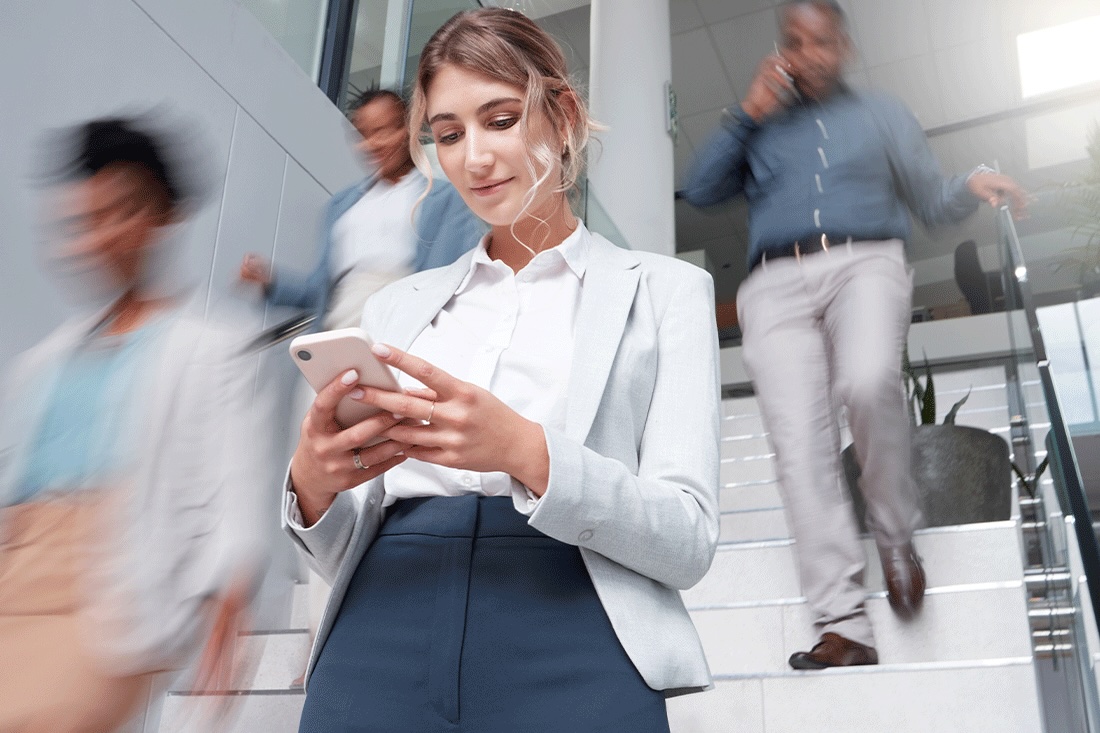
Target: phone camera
{"x":304,"y":355}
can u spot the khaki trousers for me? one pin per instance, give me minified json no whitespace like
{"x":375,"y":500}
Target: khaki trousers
{"x":50,"y":682}
{"x":820,"y":332}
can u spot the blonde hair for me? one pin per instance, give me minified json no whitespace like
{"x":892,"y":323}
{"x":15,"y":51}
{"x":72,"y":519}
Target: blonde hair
{"x":507,"y":46}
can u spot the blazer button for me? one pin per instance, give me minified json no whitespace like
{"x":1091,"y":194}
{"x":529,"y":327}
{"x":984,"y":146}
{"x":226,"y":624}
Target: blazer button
{"x":585,"y":535}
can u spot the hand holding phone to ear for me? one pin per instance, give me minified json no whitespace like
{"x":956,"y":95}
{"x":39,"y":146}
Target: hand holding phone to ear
{"x":771,"y":89}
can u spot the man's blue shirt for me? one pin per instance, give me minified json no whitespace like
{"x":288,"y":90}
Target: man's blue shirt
{"x":845,"y":167}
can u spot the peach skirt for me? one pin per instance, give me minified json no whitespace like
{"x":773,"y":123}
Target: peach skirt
{"x":50,"y":681}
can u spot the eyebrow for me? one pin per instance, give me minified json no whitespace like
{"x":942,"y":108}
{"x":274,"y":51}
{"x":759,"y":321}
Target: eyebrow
{"x":480,"y":110}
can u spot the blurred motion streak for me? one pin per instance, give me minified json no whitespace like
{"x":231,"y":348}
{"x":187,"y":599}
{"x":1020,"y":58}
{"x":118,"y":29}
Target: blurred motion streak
{"x":130,"y":491}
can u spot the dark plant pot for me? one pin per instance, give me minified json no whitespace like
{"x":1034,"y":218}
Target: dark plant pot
{"x":963,"y":475}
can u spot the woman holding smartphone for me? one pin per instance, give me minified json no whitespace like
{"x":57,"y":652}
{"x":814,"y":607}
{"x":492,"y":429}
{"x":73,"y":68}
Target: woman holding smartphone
{"x":548,"y":478}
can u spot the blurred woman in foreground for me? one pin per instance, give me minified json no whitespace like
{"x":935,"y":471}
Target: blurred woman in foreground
{"x":128,"y":499}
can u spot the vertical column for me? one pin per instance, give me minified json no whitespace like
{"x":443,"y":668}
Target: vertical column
{"x":631,"y":169}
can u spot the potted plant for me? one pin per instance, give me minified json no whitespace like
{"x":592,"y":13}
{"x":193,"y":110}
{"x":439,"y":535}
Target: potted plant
{"x":1080,"y":200}
{"x":962,"y":474}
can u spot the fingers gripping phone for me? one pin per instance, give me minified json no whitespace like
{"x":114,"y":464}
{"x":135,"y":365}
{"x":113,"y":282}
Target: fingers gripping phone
{"x":322,"y":357}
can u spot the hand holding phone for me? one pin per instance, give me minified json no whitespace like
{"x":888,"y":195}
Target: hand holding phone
{"x":322,"y":357}
{"x":772,"y":88}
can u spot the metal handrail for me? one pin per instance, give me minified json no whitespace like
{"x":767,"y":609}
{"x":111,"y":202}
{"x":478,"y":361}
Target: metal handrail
{"x":1060,"y":437}
{"x":1072,"y":493}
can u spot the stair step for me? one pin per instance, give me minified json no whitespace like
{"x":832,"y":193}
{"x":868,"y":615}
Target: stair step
{"x":973,"y":622}
{"x":745,"y":446}
{"x":269,"y":711}
{"x":763,"y":572}
{"x":754,"y":525}
{"x":757,"y":468}
{"x":742,"y":425}
{"x":749,"y":495}
{"x":272,"y":660}
{"x":929,"y":698}
{"x":299,"y":606}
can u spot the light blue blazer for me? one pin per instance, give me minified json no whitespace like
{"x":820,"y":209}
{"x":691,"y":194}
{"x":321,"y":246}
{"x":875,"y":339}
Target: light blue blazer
{"x":445,"y":230}
{"x":634,"y":475}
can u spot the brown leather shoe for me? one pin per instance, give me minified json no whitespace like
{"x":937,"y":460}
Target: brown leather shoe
{"x":905,"y":581}
{"x":834,"y":651}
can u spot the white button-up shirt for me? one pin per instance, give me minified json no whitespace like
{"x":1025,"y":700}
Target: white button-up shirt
{"x":377,"y":235}
{"x":512,"y":334}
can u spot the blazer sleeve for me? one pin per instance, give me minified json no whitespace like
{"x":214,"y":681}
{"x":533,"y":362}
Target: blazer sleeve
{"x":327,"y":541}
{"x":663,"y":521}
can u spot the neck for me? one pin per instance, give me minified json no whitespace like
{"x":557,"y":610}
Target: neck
{"x":506,"y":242}
{"x":822,"y":95}
{"x":396,"y":175}
{"x":131,"y":311}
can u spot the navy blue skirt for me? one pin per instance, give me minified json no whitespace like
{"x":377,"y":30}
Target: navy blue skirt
{"x":462,"y":618}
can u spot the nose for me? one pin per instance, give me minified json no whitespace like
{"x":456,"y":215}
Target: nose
{"x":479,"y":155}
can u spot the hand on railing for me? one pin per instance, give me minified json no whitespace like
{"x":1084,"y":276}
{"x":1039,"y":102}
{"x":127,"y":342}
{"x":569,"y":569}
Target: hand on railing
{"x":998,"y":189}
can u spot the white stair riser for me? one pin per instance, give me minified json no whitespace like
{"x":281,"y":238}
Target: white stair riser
{"x":951,"y":627}
{"x":250,"y":714}
{"x":755,"y":573}
{"x":769,"y":524}
{"x":974,"y":700}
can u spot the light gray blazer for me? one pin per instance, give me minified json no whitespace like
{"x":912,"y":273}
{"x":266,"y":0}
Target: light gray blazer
{"x":634,"y":475}
{"x":190,"y":521}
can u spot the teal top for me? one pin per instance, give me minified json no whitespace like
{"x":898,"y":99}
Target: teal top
{"x":89,"y":423}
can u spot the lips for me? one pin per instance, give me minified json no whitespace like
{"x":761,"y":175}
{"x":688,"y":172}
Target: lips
{"x":488,"y":189}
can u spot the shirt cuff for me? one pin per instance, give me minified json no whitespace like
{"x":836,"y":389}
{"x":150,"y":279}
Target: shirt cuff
{"x":292,"y":512}
{"x":737,"y":120}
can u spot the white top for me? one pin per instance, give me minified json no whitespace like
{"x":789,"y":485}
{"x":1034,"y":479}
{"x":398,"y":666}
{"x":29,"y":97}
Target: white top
{"x":377,"y":234}
{"x":512,"y":334}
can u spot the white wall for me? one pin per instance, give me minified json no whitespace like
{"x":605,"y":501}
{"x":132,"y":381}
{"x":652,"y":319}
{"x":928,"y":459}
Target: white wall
{"x":278,"y":147}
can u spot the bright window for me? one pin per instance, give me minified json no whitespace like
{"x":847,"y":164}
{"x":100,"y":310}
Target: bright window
{"x":1059,"y":57}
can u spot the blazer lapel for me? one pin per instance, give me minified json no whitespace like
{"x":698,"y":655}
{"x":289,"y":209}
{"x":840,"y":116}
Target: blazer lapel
{"x":610,"y":282}
{"x":408,"y":319}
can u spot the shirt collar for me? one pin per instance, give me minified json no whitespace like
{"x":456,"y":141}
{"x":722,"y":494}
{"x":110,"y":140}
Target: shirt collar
{"x":574,"y":250}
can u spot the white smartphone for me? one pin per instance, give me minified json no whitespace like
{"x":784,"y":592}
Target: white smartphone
{"x":322,"y":357}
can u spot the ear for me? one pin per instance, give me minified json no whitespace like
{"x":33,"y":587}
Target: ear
{"x":572,"y":108}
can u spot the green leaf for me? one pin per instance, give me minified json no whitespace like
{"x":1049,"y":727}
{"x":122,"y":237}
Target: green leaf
{"x":949,"y":419}
{"x":928,"y":399}
{"x":1023,"y":480}
{"x":1042,"y":467}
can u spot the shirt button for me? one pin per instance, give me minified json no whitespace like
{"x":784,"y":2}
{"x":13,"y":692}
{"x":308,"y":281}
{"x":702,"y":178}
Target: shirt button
{"x":585,"y":535}
{"x":468,"y":480}
{"x":370,"y":502}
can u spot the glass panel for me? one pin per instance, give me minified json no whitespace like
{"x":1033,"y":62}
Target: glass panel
{"x":1056,"y":523}
{"x":427,"y":17}
{"x":298,"y":25}
{"x":368,"y":40}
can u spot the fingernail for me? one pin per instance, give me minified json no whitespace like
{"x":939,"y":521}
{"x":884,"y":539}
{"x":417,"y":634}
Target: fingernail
{"x":381,"y":350}
{"x":350,"y":377}
{"x":356,"y":394}
{"x":398,"y":417}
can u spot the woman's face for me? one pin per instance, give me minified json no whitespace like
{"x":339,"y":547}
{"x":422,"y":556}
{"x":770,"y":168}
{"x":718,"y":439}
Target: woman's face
{"x":475,"y":122}
{"x":108,"y":223}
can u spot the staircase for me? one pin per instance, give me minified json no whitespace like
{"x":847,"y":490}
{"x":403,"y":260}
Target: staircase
{"x":273,"y":658}
{"x":964,"y":664}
